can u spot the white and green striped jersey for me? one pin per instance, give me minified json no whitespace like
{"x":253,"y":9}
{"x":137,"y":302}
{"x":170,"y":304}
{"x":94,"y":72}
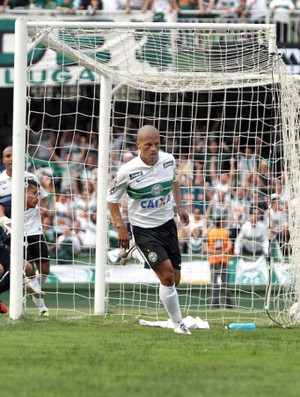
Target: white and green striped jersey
{"x":149,"y":190}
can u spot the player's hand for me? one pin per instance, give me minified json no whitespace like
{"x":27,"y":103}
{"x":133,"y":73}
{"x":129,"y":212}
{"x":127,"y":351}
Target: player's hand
{"x":5,"y":222}
{"x":184,"y":216}
{"x":123,"y":237}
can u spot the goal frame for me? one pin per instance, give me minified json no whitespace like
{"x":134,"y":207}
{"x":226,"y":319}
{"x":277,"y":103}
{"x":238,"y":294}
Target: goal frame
{"x":19,"y":126}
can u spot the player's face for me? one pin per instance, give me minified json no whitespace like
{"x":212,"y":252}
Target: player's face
{"x":32,"y":197}
{"x":7,"y":160}
{"x":149,"y":148}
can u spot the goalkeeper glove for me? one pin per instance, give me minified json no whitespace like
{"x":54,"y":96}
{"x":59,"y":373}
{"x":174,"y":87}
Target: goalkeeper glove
{"x":5,"y":222}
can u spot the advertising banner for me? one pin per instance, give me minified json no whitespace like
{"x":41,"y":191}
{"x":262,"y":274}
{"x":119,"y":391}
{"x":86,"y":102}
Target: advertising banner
{"x":242,"y":272}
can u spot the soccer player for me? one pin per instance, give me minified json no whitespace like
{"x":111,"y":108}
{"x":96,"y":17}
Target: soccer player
{"x":31,"y":284}
{"x":37,"y":250}
{"x":150,"y":181}
{"x":4,"y":266}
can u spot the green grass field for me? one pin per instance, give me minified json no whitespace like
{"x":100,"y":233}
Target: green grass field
{"x":110,"y":357}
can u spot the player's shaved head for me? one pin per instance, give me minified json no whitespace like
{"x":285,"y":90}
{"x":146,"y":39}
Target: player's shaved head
{"x":146,"y":132}
{"x":148,"y":143}
{"x":8,"y":149}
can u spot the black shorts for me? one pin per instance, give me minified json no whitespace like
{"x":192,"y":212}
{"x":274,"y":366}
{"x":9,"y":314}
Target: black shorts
{"x":158,"y":244}
{"x":36,"y":249}
{"x":5,"y":258}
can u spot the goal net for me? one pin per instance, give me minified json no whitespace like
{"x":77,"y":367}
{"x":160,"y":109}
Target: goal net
{"x":225,"y":107}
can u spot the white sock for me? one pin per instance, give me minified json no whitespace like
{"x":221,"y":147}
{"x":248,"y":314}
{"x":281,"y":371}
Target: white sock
{"x":40,"y":303}
{"x":42,"y":278}
{"x":33,"y":281}
{"x":169,"y":298}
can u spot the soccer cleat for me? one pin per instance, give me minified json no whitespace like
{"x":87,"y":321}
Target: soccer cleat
{"x":3,"y":308}
{"x":32,"y":289}
{"x":127,"y":255}
{"x":44,"y":314}
{"x":182,"y":329}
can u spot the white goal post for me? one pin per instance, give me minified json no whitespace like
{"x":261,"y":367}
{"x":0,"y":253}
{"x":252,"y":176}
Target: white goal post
{"x":200,"y":85}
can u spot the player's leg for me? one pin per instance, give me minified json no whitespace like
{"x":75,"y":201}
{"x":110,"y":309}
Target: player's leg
{"x":36,"y":254}
{"x":31,"y":283}
{"x":34,"y":289}
{"x":169,"y":296}
{"x":4,"y":275}
{"x":152,"y":244}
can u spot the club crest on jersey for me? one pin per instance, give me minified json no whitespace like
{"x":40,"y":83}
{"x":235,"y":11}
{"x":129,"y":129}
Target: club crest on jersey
{"x":156,"y":190}
{"x":167,"y":164}
{"x":152,"y":256}
{"x":135,"y":175}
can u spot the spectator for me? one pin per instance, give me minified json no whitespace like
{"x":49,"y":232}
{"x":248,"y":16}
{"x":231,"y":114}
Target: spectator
{"x":206,"y":6}
{"x":79,"y":232}
{"x":203,"y":192}
{"x":63,"y":211}
{"x":258,"y":10}
{"x":240,"y":210}
{"x":246,"y":164}
{"x":92,"y":6}
{"x":47,"y":182}
{"x":281,"y":10}
{"x":89,"y":170}
{"x":66,"y":6}
{"x":243,"y":10}
{"x":195,"y":244}
{"x":228,"y":8}
{"x":198,"y":221}
{"x":89,"y":237}
{"x":113,"y":5}
{"x":84,"y":204}
{"x":263,"y":178}
{"x":43,"y":4}
{"x":219,"y":207}
{"x":50,"y":236}
{"x":135,"y":5}
{"x":18,"y":4}
{"x":4,"y":4}
{"x":277,"y":218}
{"x":219,"y":251}
{"x":252,"y":240}
{"x":164,"y":6}
{"x":68,"y":246}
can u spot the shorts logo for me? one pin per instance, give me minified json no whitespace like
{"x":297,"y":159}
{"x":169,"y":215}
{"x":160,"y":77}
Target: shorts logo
{"x":156,"y":190}
{"x":152,"y":256}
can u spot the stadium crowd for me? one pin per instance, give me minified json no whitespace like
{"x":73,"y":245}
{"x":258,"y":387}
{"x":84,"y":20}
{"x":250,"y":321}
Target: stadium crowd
{"x":219,"y":178}
{"x":254,"y":11}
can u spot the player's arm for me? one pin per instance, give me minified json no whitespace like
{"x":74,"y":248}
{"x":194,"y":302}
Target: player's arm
{"x":5,"y":222}
{"x":183,"y":214}
{"x":123,"y":236}
{"x":115,"y":193}
{"x":2,"y":210}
